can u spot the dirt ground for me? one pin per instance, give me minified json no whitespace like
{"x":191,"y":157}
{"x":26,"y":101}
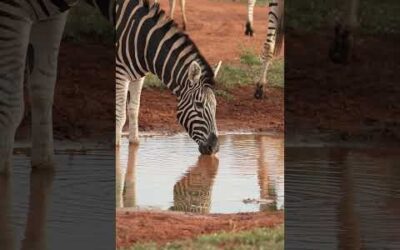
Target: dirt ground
{"x":162,"y":227}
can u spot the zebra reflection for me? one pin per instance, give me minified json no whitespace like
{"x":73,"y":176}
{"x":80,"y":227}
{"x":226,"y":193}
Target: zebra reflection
{"x":35,"y":232}
{"x":125,"y":181}
{"x":192,"y":193}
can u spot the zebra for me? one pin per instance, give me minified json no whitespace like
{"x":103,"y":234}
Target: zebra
{"x":273,"y":41}
{"x":148,"y":41}
{"x":341,"y":48}
{"x":192,"y":193}
{"x":32,"y":28}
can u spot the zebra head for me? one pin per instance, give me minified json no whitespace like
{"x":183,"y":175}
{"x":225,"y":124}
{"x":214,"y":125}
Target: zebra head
{"x":196,"y":110}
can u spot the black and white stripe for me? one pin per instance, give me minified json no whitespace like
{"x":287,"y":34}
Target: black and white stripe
{"x":148,"y":41}
{"x":273,"y":42}
{"x":37,"y":25}
{"x":193,"y":192}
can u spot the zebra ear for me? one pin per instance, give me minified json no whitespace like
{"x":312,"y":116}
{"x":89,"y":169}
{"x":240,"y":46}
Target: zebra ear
{"x":194,"y":72}
{"x":216,"y":70}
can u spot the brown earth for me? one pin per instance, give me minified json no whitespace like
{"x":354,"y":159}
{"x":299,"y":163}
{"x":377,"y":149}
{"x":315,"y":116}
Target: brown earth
{"x":163,"y":227}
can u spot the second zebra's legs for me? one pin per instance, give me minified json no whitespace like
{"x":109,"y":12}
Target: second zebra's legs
{"x":272,"y":44}
{"x":183,"y":3}
{"x":45,"y":42}
{"x":343,"y":42}
{"x":249,"y":24}
{"x":171,"y":8}
{"x":259,"y":93}
{"x":135,"y":90}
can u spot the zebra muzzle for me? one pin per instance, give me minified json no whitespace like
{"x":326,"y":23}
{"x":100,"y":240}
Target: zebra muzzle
{"x":211,"y":146}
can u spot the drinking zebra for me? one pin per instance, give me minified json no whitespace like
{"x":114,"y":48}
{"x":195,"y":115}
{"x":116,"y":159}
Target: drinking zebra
{"x":148,"y":41}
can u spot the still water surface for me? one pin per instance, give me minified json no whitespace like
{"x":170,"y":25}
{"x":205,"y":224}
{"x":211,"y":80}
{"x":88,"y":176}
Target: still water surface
{"x":342,"y":198}
{"x":71,"y":209}
{"x":168,"y":173}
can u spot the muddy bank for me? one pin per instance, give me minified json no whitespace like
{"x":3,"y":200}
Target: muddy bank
{"x":243,"y":112}
{"x":162,"y":227}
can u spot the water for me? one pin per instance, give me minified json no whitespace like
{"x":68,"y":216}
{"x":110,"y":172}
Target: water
{"x":342,"y":198}
{"x":168,"y":173}
{"x":71,"y":209}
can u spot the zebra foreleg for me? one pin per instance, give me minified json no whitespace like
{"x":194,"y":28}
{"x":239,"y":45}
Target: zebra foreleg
{"x":172,"y":8}
{"x":121,"y":91}
{"x":249,"y":31}
{"x":135,"y":90}
{"x":183,"y":3}
{"x":45,"y":39}
{"x":13,"y":49}
{"x":262,"y":83}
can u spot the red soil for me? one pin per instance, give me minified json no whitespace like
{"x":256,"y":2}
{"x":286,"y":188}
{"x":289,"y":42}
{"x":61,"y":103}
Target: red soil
{"x":163,"y":227}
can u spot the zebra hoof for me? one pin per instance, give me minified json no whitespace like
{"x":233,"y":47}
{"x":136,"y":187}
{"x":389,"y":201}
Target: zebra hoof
{"x":259,"y":93}
{"x":249,"y":30}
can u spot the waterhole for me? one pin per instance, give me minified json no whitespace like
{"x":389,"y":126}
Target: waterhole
{"x":168,"y":173}
{"x":42,"y":210}
{"x":342,"y":198}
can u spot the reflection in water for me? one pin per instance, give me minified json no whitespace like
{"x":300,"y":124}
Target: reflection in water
{"x":74,"y":209}
{"x":35,"y":232}
{"x":125,"y":180}
{"x":342,"y":198}
{"x":192,"y":193}
{"x":247,"y":168}
{"x":268,"y":161}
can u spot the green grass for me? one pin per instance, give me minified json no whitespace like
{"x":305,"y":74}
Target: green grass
{"x":256,"y":239}
{"x":85,"y":23}
{"x":375,"y":18}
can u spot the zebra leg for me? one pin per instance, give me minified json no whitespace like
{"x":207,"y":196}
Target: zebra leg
{"x":341,"y":48}
{"x":249,"y":24}
{"x":135,"y":90}
{"x":121,"y":91}
{"x":259,"y":93}
{"x":275,"y":24}
{"x":14,"y":40}
{"x":45,"y":40}
{"x":171,"y":8}
{"x":183,"y":3}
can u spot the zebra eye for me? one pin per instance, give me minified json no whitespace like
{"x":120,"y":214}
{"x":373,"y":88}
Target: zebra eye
{"x":198,"y":105}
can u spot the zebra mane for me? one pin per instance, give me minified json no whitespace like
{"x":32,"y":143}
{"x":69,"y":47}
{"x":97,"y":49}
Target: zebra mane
{"x":207,"y":75}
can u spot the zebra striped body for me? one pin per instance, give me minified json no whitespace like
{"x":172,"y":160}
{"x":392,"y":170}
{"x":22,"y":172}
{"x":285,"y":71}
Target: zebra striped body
{"x":148,"y":41}
{"x":38,"y":25}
